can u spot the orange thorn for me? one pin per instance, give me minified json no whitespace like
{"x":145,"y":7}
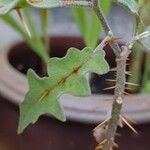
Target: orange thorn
{"x":101,"y":124}
{"x":109,"y":88}
{"x":128,"y":124}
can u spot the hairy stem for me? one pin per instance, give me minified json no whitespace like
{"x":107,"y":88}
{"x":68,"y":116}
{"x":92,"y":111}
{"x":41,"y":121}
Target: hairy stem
{"x":118,"y":96}
{"x":105,"y":25}
{"x":121,"y":57}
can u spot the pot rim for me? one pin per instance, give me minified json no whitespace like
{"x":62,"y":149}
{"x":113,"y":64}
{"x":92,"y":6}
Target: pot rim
{"x":91,"y":109}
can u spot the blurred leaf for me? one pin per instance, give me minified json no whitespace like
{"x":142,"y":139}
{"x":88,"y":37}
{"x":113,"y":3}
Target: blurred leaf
{"x":8,"y":5}
{"x":13,"y":23}
{"x":131,"y":4}
{"x":51,"y":3}
{"x":146,"y":87}
{"x":88,"y":23}
{"x":145,"y":13}
{"x":94,"y":31}
{"x":105,"y":5}
{"x":65,"y":75}
{"x":80,"y":15}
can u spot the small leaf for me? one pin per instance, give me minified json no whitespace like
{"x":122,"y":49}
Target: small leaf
{"x":131,"y":4}
{"x":65,"y":75}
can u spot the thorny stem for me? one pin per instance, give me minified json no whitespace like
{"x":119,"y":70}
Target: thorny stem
{"x":118,"y":96}
{"x":121,"y":57}
{"x":105,"y":25}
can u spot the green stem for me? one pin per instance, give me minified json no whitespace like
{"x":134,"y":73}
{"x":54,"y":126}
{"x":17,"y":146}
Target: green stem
{"x":45,"y":27}
{"x":30,"y":22}
{"x":36,"y":41}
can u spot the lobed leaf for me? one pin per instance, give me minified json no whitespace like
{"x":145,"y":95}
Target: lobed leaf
{"x":65,"y":75}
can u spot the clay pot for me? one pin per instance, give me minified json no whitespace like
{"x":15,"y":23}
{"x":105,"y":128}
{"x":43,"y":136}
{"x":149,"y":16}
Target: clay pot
{"x":82,"y":113}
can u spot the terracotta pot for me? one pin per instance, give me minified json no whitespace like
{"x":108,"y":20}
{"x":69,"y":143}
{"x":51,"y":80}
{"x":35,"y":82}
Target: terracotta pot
{"x":83,"y":113}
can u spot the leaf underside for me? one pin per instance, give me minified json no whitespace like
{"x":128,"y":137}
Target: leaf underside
{"x":52,"y":3}
{"x":65,"y":75}
{"x":130,"y":4}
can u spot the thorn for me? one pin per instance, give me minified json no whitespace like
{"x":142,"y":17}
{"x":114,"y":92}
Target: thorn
{"x":129,"y":120}
{"x":113,"y":69}
{"x":101,"y":124}
{"x":110,"y":80}
{"x":99,"y":148}
{"x":115,"y":145}
{"x":127,"y":64}
{"x":44,"y":94}
{"x":103,"y":142}
{"x":128,"y":124}
{"x":35,"y":1}
{"x":118,"y":134}
{"x":128,"y":88}
{"x":120,"y":123}
{"x":109,"y":88}
{"x":110,"y":148}
{"x":126,"y":93}
{"x":23,"y":22}
{"x":128,"y":73}
{"x":112,"y":39}
{"x":133,"y":84}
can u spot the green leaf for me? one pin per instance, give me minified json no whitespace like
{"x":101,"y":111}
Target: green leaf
{"x":65,"y":75}
{"x":105,"y":5}
{"x":8,"y":5}
{"x":80,"y":16}
{"x":94,"y":31}
{"x":130,"y":4}
{"x":51,"y":3}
